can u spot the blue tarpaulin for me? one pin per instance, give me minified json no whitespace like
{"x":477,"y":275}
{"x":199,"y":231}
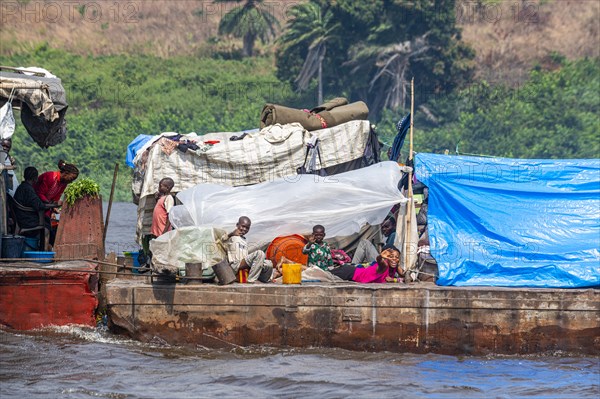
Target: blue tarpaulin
{"x":513,"y":222}
{"x":134,"y":146}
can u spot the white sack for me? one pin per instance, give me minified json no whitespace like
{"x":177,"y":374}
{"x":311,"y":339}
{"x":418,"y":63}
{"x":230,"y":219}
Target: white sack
{"x":7,"y":121}
{"x":175,"y":248}
{"x":342,"y":203}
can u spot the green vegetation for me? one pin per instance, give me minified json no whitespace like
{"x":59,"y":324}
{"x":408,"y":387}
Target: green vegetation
{"x":249,"y":22}
{"x":112,"y":99}
{"x":313,"y":25}
{"x":374,"y":48}
{"x":553,"y":115}
{"x":84,"y":187}
{"x":361,"y":50}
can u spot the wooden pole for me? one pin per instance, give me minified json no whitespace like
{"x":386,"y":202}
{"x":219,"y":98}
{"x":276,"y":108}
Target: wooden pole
{"x":409,"y":204}
{"x":110,"y":200}
{"x":4,"y":205}
{"x":3,"y":194}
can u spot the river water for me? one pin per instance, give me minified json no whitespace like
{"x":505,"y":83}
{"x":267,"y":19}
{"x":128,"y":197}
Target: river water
{"x":74,"y":362}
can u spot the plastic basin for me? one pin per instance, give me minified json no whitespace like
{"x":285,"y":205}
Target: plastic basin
{"x":39,"y":256}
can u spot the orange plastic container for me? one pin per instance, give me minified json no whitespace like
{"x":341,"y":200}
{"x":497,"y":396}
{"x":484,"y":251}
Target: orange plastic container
{"x":288,"y":246}
{"x":292,"y":273}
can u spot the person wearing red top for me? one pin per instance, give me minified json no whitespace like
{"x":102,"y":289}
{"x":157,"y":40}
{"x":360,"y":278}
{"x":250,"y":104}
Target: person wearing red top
{"x":164,"y":203}
{"x":377,"y":272}
{"x":51,"y":185}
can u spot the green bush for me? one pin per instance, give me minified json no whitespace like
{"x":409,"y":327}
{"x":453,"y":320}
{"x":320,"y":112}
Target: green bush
{"x":85,"y":187}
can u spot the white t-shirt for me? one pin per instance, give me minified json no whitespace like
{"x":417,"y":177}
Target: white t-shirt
{"x":237,"y":250}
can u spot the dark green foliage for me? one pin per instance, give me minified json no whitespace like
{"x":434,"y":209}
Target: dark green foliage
{"x":112,"y":99}
{"x":382,"y":44}
{"x":553,"y":115}
{"x":250,"y":21}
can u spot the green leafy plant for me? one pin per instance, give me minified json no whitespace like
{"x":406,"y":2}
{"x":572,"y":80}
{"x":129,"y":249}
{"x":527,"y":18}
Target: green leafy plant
{"x":85,"y":187}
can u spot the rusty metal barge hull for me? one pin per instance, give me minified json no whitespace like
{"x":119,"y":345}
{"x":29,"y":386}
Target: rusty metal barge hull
{"x":419,"y":318}
{"x":32,"y":296}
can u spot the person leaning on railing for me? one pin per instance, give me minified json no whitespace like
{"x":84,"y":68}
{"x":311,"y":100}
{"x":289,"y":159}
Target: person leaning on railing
{"x":51,"y":185}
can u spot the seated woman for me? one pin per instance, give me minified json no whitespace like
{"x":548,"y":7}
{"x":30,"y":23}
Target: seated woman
{"x":26,"y":196}
{"x":377,"y":272}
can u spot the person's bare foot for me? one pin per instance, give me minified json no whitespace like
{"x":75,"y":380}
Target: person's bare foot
{"x":280,"y":263}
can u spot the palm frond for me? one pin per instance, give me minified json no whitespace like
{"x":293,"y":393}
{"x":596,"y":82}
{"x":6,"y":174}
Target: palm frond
{"x":392,"y":62}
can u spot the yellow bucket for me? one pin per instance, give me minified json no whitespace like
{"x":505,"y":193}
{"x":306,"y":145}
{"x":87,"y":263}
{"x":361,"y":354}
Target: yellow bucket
{"x":292,"y":273}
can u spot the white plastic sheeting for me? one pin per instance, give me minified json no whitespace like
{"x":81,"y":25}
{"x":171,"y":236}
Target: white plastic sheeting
{"x":342,"y":203}
{"x":273,"y":152}
{"x":175,"y":248}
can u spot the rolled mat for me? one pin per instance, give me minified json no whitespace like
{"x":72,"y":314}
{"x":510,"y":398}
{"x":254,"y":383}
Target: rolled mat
{"x":329,"y":105}
{"x":329,"y":117}
{"x":346,"y":113}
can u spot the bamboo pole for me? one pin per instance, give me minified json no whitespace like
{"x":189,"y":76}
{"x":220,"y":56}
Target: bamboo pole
{"x":3,"y":205}
{"x":409,"y":204}
{"x":110,"y":200}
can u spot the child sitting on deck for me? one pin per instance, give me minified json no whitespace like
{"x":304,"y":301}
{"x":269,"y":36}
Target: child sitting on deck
{"x":319,"y":252}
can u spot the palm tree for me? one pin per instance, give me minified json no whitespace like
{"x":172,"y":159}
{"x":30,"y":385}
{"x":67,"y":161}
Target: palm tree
{"x":250,"y":21}
{"x":391,"y":65}
{"x":312,"y":26}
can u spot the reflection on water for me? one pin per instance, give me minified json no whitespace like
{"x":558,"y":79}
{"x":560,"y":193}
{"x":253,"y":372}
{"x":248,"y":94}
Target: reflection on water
{"x":72,"y":362}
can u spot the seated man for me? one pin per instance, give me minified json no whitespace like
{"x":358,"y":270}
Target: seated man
{"x":422,"y":215}
{"x":26,"y":196}
{"x":239,"y":258}
{"x":366,"y":251}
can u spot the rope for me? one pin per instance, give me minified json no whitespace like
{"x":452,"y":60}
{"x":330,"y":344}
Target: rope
{"x":29,"y":261}
{"x":70,"y":270}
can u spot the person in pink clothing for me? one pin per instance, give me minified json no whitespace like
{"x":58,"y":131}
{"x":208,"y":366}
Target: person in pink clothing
{"x":377,"y":272}
{"x":164,"y":203}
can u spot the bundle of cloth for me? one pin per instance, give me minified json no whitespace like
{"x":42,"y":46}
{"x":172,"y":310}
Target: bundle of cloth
{"x":332,"y":113}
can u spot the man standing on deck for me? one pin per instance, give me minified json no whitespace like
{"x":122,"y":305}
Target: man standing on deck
{"x":239,"y":258}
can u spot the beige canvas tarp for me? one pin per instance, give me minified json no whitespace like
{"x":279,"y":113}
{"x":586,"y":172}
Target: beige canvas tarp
{"x":273,"y":152}
{"x":43,"y":105}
